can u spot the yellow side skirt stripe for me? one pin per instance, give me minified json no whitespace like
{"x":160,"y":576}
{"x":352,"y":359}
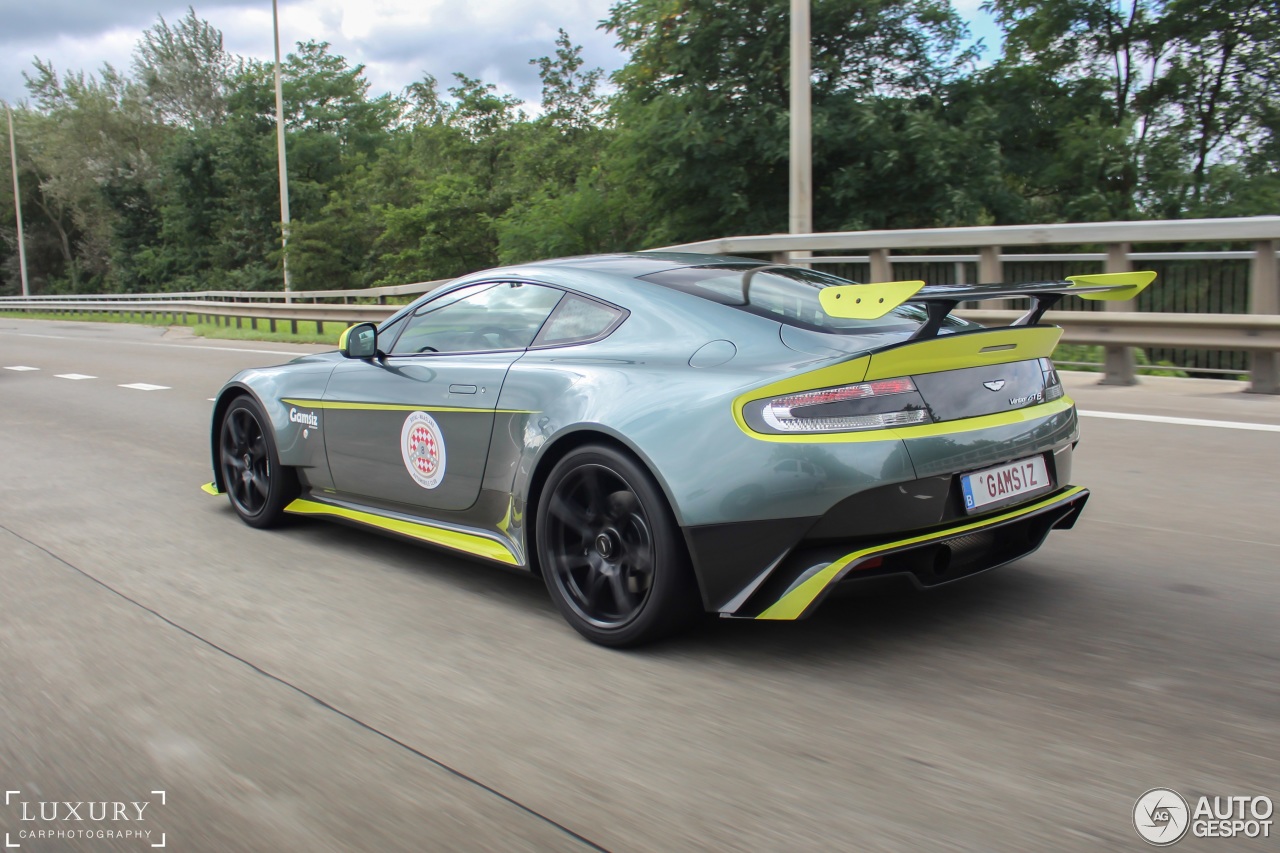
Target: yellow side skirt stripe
{"x":468,"y":543}
{"x":210,"y":489}
{"x":794,"y":603}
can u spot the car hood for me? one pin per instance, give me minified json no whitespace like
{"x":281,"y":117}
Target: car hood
{"x":331,"y":355}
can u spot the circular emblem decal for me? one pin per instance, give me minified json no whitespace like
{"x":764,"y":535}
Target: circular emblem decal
{"x":1161,"y":816}
{"x":422,"y":446}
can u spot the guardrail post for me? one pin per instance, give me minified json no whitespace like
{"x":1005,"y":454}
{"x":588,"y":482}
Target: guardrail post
{"x":1121,"y":366}
{"x":1264,"y":298}
{"x":881,"y":270}
{"x":991,"y":271}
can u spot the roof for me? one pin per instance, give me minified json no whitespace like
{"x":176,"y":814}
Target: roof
{"x":636,"y":264}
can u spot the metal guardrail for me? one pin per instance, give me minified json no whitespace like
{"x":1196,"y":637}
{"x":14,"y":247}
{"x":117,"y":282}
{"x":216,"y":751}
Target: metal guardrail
{"x":1247,"y":228}
{"x":379,"y":294}
{"x":221,"y":312}
{"x":1262,"y":233}
{"x":1116,"y":329}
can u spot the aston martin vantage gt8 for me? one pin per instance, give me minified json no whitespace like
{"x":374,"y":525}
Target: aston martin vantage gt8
{"x":663,"y":435}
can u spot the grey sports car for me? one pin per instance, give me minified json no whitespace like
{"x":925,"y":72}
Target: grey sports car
{"x":662,"y":435}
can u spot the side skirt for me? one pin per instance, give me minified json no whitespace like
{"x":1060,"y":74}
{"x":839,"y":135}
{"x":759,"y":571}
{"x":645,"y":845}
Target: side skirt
{"x":467,"y":541}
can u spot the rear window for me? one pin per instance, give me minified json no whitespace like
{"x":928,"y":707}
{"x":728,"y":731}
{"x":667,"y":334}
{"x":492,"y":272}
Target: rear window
{"x":788,"y":295}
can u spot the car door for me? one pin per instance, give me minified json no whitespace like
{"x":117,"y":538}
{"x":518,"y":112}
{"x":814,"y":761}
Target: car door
{"x":413,"y":426}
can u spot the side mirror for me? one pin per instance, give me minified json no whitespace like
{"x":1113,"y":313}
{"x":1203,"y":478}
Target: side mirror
{"x":359,"y":341}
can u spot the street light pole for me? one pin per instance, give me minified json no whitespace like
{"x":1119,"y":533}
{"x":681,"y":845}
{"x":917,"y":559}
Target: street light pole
{"x":801,"y":219}
{"x":17,"y":204}
{"x":283,"y":168}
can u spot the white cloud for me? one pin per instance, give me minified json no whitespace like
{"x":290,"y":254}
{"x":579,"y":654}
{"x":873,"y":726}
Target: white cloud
{"x":397,"y":40}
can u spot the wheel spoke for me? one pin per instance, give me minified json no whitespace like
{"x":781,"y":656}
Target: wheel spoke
{"x":569,"y":516}
{"x":597,"y":583}
{"x":621,"y":595}
{"x":621,"y":504}
{"x":236,"y":430}
{"x":259,"y":483}
{"x":595,"y":493}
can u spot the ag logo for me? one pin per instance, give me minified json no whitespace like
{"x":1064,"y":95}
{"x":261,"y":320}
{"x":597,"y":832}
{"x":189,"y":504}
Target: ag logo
{"x":422,"y":448}
{"x":1161,"y":816}
{"x":993,"y":385}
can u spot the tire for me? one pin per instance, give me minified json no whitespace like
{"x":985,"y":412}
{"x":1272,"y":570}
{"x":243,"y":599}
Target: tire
{"x":610,"y":551}
{"x":257,"y":484}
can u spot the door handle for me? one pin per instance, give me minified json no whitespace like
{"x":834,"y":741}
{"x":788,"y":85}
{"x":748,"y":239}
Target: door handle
{"x":462,"y":389}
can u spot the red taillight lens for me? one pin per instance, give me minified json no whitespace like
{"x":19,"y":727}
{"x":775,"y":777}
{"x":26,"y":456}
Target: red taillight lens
{"x":787,"y":413}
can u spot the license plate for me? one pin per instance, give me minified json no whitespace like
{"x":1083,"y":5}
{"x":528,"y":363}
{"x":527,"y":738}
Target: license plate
{"x":998,"y":484}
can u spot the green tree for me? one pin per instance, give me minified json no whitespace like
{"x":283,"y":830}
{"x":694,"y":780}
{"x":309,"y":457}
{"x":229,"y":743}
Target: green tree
{"x":702,"y":104}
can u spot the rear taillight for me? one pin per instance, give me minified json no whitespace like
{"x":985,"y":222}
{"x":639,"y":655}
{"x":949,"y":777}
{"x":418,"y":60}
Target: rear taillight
{"x":1052,"y":382}
{"x":866,"y":405}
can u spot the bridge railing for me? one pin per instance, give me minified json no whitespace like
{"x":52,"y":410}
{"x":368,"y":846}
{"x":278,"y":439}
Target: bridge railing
{"x":1223,"y":302}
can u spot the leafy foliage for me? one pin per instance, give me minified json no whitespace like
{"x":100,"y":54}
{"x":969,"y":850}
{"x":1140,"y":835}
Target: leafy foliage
{"x":163,"y":177}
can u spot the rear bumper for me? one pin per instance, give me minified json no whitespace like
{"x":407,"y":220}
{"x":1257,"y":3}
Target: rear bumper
{"x":795,"y":587}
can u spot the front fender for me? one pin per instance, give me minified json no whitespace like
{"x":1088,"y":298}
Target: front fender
{"x":298,"y":430}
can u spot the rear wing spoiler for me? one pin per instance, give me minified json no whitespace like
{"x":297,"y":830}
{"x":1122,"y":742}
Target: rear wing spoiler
{"x":872,"y":301}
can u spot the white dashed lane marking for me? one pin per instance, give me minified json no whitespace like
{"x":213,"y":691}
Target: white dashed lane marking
{"x":143,"y":386}
{"x":73,"y":376}
{"x":21,"y":367}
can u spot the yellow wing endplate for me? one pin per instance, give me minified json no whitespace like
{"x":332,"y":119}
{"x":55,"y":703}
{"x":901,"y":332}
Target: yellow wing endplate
{"x":866,"y":301}
{"x":1126,"y":285}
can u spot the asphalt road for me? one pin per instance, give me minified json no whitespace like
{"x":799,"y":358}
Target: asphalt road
{"x":322,"y":688}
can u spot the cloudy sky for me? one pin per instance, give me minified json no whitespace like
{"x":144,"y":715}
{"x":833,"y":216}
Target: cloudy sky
{"x":396,"y":40}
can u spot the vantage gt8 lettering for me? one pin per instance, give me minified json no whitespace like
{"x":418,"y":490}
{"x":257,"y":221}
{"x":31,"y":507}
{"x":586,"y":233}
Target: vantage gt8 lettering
{"x":660,"y":436}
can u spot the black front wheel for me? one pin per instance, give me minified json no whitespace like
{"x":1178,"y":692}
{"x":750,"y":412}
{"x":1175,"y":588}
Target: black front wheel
{"x":258,"y":485}
{"x":611,"y":552}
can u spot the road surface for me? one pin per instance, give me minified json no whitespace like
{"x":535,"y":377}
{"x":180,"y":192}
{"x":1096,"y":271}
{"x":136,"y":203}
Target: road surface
{"x":324,"y":688}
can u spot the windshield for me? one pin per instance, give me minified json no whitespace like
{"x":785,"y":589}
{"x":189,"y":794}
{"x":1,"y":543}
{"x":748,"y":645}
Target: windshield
{"x":787,"y":295}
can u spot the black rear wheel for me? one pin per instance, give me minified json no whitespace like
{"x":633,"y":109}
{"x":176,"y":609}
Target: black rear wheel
{"x":611,"y":552}
{"x":258,"y":485}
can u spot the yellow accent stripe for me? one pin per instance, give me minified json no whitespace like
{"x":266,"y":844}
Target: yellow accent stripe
{"x":342,"y":338}
{"x":396,"y":407}
{"x":970,"y":349}
{"x":210,"y":489}
{"x":794,"y":603}
{"x":950,"y":352}
{"x":468,"y":543}
{"x":999,"y":419}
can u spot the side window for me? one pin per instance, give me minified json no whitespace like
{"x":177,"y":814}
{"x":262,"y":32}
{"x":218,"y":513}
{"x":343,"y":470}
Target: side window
{"x":387,"y":334}
{"x":479,"y":318}
{"x":577,"y":319}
